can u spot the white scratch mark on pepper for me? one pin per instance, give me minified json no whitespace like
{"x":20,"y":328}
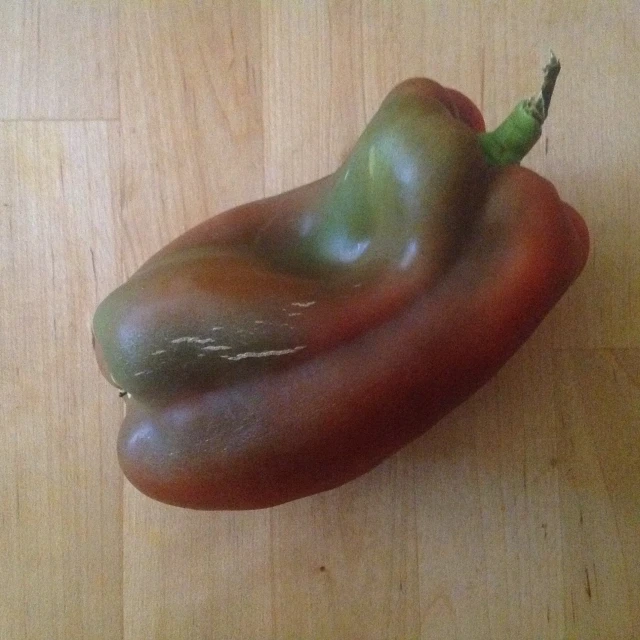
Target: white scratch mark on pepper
{"x":264,"y":354}
{"x":193,"y":339}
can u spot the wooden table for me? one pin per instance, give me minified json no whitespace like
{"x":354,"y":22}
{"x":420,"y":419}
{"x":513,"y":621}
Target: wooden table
{"x":124,"y":124}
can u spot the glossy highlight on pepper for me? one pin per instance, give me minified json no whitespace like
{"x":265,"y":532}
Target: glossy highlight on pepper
{"x":289,"y":345}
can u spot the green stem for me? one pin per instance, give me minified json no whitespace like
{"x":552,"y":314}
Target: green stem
{"x":516,"y":136}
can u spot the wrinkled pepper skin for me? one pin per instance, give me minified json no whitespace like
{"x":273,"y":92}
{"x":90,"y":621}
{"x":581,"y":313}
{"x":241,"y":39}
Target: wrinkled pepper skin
{"x":290,"y":345}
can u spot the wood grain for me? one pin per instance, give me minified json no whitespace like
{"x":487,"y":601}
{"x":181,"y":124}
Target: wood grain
{"x":58,"y":59}
{"x":518,"y":516}
{"x":61,"y":531}
{"x":191,"y":117}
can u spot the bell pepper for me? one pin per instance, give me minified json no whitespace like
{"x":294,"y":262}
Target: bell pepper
{"x":290,"y":345}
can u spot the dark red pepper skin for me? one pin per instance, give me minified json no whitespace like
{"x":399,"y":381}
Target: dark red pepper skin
{"x":323,"y":418}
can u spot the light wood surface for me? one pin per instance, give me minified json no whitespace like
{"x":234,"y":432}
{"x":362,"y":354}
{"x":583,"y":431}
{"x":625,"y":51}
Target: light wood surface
{"x":124,"y":124}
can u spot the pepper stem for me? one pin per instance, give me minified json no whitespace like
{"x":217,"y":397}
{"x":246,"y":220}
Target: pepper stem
{"x":516,"y":136}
